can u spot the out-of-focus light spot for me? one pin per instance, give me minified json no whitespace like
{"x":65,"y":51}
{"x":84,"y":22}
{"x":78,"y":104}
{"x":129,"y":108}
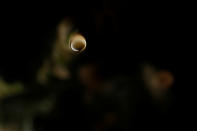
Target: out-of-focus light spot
{"x":166,"y":78}
{"x":77,"y":43}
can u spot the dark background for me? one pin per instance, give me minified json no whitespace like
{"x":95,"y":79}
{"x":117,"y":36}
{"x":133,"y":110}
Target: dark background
{"x":160,"y":33}
{"x":141,"y":31}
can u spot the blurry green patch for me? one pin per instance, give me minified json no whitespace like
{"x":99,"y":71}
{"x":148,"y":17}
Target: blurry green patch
{"x":9,"y":89}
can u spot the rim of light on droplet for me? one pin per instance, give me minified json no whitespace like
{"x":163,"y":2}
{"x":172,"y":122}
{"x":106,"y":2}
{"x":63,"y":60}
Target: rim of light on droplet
{"x":78,"y":40}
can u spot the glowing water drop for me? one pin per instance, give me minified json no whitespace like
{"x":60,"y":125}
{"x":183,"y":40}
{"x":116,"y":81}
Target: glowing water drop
{"x":77,"y":43}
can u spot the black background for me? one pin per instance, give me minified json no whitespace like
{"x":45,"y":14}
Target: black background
{"x":161,"y":33}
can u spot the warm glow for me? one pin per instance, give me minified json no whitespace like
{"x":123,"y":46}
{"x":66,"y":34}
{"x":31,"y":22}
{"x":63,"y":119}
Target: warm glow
{"x":77,"y":43}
